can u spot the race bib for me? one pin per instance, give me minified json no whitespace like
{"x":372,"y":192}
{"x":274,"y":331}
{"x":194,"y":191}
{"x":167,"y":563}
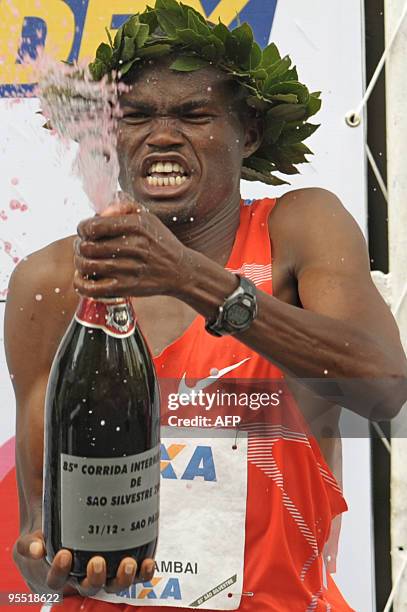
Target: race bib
{"x":200,"y":554}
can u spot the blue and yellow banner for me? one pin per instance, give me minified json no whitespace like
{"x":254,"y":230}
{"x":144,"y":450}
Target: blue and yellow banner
{"x":72,"y":29}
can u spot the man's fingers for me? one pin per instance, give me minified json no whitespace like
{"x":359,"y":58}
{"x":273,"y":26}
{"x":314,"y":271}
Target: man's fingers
{"x":31,"y":545}
{"x":125,"y":575}
{"x":147,"y":570}
{"x":95,"y":577}
{"x":59,"y":571}
{"x":120,"y":208}
{"x":105,"y":227}
{"x":106,"y":287}
{"x":124,"y":205}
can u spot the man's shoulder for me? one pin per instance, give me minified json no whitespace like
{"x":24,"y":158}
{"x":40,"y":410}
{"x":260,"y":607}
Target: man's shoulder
{"x":46,"y":271}
{"x":302,"y":213}
{"x":301,"y":203}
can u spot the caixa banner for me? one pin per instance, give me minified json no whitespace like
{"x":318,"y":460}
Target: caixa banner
{"x":71,"y":30}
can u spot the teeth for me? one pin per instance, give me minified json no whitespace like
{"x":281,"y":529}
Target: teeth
{"x":165,"y":181}
{"x":166,"y":167}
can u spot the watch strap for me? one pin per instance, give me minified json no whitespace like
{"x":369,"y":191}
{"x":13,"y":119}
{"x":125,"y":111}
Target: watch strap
{"x":246,"y":296}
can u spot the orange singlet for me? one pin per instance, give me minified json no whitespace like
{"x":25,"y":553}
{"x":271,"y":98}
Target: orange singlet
{"x":292,"y":495}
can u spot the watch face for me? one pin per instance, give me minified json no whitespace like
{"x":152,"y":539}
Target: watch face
{"x":237,"y":315}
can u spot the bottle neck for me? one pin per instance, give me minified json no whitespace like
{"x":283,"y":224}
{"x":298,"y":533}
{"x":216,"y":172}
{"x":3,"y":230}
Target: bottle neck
{"x":115,"y":316}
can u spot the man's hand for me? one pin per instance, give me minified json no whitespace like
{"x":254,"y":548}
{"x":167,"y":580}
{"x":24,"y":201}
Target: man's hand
{"x":128,"y":251}
{"x":56,"y":576}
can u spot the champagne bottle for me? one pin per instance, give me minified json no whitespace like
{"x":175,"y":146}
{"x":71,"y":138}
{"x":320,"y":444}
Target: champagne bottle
{"x":102,"y":440}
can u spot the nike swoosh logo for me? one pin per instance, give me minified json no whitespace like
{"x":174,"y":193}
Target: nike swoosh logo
{"x":206,"y":382}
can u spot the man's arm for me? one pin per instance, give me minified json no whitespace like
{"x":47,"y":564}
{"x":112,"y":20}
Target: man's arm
{"x":344,"y":331}
{"x":40,"y":306}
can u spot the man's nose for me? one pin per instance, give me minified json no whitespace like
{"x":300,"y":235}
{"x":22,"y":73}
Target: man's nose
{"x":165,"y":133}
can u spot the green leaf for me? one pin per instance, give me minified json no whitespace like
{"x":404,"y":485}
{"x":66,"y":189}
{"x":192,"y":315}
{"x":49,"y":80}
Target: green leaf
{"x":286,"y":154}
{"x":302,"y":148}
{"x":131,"y":27}
{"x":290,"y":87}
{"x":258,"y":103}
{"x":124,"y":68}
{"x":104,"y":53}
{"x":142,"y":35}
{"x":299,"y":134}
{"x":214,"y":50}
{"x":255,"y":58}
{"x":273,"y":131}
{"x":129,"y":49}
{"x":154,"y":51}
{"x":271,"y":55}
{"x":290,"y":98}
{"x":118,"y":38}
{"x":109,"y":37}
{"x":288,"y":112}
{"x":275,"y":71}
{"x":195,"y":24}
{"x":259,"y":164}
{"x":170,"y":21}
{"x":314,"y":105}
{"x":251,"y":174}
{"x":287,"y":168}
{"x":242,"y":44}
{"x":291,"y":75}
{"x":188,"y":9}
{"x":97,"y":69}
{"x":169,"y":5}
{"x":188,"y":63}
{"x":260,"y":74}
{"x":150,"y":18}
{"x":221,"y":32}
{"x":190,"y":37}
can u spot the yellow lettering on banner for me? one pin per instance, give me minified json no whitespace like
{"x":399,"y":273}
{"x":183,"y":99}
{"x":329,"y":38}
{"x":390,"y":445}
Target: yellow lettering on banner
{"x":99,"y":16}
{"x":100,"y":12}
{"x":60,"y":34}
{"x":227,"y":10}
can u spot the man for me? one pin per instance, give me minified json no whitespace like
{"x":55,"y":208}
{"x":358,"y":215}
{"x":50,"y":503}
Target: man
{"x":175,"y":244}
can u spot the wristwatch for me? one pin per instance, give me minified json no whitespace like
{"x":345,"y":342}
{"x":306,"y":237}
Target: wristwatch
{"x":237,"y":312}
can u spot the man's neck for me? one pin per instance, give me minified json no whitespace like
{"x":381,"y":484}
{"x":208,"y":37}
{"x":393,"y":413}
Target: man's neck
{"x":214,"y":237}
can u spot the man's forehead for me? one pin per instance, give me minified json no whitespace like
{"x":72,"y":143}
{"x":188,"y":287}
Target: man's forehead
{"x":155,"y":81}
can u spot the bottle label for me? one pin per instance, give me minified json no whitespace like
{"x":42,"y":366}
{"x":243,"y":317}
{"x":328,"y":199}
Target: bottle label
{"x":115,"y":317}
{"x":110,"y":504}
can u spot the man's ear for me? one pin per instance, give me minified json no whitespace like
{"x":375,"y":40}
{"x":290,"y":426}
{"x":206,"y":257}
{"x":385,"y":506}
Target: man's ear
{"x":254,"y":132}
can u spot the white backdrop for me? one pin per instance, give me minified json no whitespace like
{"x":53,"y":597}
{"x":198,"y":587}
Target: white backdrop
{"x":40,"y":201}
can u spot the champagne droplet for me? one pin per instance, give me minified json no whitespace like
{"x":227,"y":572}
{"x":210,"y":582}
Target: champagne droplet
{"x":38,"y":297}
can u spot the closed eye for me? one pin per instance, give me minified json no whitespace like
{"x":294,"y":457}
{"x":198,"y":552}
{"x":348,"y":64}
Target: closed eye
{"x":198,"y":117}
{"x":135,"y":117}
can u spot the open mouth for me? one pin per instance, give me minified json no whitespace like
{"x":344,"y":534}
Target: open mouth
{"x":166,"y":174}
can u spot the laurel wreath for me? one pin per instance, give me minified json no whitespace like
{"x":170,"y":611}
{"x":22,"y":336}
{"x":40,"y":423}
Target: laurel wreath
{"x":271,"y":82}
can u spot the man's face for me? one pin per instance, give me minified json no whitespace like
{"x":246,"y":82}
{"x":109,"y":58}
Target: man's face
{"x":181,"y":143}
